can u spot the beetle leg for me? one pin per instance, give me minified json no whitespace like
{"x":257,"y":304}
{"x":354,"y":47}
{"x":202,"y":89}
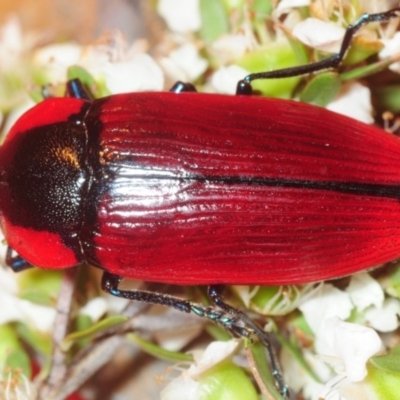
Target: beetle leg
{"x":231,"y":319}
{"x":236,"y":327}
{"x":244,"y":86}
{"x":16,"y":263}
{"x":215,"y":293}
{"x":75,"y":88}
{"x":110,"y":282}
{"x":180,"y":87}
{"x":228,"y":320}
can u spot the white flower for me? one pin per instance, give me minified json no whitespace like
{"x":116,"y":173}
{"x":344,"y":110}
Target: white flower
{"x":386,"y":317}
{"x":56,"y":58}
{"x":11,"y":44}
{"x":354,"y":101}
{"x":186,"y":386}
{"x":185,"y":64}
{"x":180,"y":15}
{"x":300,"y":380}
{"x":326,"y":302}
{"x":124,"y":68}
{"x":138,"y":74}
{"x":16,"y":386}
{"x":391,"y":48}
{"x":329,"y":37}
{"x":229,"y":48}
{"x":225,"y":79}
{"x":351,"y":344}
{"x":285,"y":5}
{"x":365,"y":291}
{"x":15,"y":309}
{"x":95,"y":308}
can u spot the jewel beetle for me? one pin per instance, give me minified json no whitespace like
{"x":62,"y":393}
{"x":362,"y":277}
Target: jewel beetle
{"x":191,"y":189}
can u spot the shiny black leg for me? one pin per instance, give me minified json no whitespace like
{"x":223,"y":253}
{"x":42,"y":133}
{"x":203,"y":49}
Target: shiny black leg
{"x":244,"y":85}
{"x":181,"y":87}
{"x":231,"y":319}
{"x":215,"y":293}
{"x":75,"y":88}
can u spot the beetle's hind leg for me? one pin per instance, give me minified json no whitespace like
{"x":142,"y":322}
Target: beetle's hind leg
{"x":231,"y":319}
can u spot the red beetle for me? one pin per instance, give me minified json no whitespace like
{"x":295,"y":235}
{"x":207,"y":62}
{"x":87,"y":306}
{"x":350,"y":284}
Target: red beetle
{"x":201,"y":189}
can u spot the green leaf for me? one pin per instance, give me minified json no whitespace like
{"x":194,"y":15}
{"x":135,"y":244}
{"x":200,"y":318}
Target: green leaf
{"x":322,"y":89}
{"x":159,"y":352}
{"x":215,"y":21}
{"x":389,"y":362}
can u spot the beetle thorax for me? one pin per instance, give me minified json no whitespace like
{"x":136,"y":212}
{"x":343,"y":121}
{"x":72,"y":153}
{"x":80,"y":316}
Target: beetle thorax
{"x":44,"y":180}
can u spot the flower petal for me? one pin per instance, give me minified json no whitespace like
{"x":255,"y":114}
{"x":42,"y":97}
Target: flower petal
{"x":354,"y":344}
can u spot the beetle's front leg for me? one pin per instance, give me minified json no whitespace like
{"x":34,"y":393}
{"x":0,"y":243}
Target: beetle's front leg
{"x":16,"y":262}
{"x":75,"y":88}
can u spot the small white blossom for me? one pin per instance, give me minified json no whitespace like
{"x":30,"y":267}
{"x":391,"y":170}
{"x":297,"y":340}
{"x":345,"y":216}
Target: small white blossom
{"x":225,"y":79}
{"x":15,"y":309}
{"x":326,"y":302}
{"x":11,"y":43}
{"x":386,"y":317}
{"x":354,"y":101}
{"x":124,"y":68}
{"x":350,"y":343}
{"x":139,"y":74}
{"x":229,"y":48}
{"x":56,"y":58}
{"x":300,"y":380}
{"x":391,"y":48}
{"x":185,"y":64}
{"x":95,"y":308}
{"x":286,"y":5}
{"x":180,"y":15}
{"x":365,"y":291}
{"x":16,"y":386}
{"x":186,"y":386}
{"x":329,"y":37}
